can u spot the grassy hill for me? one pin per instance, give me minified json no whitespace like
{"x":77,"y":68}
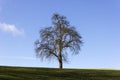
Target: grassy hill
{"x":21,"y":73}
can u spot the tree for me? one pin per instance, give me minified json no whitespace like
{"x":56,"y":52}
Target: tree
{"x":59,"y":40}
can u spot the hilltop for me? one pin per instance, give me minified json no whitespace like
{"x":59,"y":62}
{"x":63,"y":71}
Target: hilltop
{"x":28,"y":73}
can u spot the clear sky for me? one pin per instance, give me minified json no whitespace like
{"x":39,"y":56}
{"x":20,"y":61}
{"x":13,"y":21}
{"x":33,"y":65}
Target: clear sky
{"x":98,"y":22}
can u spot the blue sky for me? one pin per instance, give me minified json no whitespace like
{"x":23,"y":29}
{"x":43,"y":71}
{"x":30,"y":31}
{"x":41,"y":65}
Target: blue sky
{"x":98,"y":22}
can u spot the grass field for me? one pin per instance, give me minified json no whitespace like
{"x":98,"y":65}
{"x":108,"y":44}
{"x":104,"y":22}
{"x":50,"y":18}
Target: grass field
{"x":21,"y":73}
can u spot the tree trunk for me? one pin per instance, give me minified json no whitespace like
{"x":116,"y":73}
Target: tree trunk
{"x":60,"y":49}
{"x":60,"y":63}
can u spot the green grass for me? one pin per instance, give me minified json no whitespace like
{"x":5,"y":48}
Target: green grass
{"x":21,"y":73}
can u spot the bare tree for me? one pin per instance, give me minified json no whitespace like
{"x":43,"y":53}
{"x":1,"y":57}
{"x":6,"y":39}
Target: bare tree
{"x":59,"y":40}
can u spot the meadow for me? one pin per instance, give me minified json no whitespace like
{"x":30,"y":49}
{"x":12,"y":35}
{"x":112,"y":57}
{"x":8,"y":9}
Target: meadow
{"x":29,"y":73}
